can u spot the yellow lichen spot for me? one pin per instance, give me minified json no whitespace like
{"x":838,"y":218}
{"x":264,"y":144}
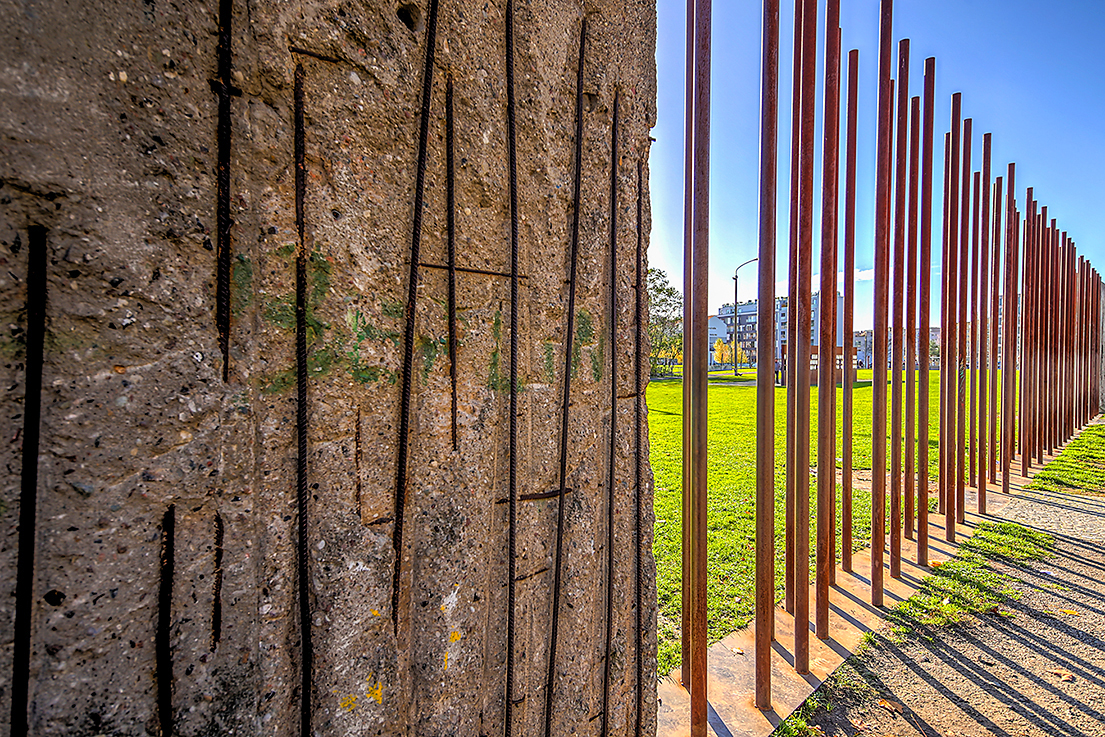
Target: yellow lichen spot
{"x":454,"y":636}
{"x":375,"y":613}
{"x":446,"y":660}
{"x":375,"y":691}
{"x":349,"y":703}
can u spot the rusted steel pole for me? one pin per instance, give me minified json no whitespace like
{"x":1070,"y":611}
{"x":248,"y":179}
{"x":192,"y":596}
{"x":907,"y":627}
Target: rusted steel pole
{"x":1072,"y":377}
{"x":1071,"y":315}
{"x":1064,"y":336}
{"x":882,"y":273}
{"x":1044,"y":345}
{"x":1035,"y":451}
{"x":849,"y":303}
{"x":897,"y":311}
{"x":1072,"y":311}
{"x":1047,"y":338}
{"x":1068,"y":314}
{"x":962,"y":331}
{"x":1078,"y":307}
{"x":826,"y":364}
{"x":699,"y":377}
{"x":982,"y":477}
{"x":972,"y":359}
{"x":1085,"y":357}
{"x":1059,"y":322}
{"x":911,"y":372}
{"x":1083,"y":339}
{"x":805,"y":275}
{"x":1026,"y":336}
{"x":765,"y":358}
{"x":688,"y":344}
{"x":952,"y":266}
{"x":1055,"y":344}
{"x":925,"y":308}
{"x":945,"y":295}
{"x":837,"y":318}
{"x":995,"y":305}
{"x":1009,"y":331}
{"x":1040,"y":330}
{"x":792,"y":308}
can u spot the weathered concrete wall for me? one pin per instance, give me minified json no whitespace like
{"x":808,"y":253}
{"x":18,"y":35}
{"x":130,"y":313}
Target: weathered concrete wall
{"x":165,"y":588}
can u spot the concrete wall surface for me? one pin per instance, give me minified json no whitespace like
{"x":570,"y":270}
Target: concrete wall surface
{"x":245,"y":507}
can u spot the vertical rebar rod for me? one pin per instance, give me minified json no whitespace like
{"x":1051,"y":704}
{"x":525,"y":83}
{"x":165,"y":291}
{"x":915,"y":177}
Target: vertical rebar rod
{"x":512,"y":441}
{"x":911,"y":337}
{"x":826,"y":364}
{"x":38,"y":259}
{"x":566,"y":387}
{"x":451,"y":228}
{"x":925,"y":309}
{"x":224,"y":88}
{"x":802,"y":315}
{"x":849,"y":306}
{"x":409,"y":324}
{"x":962,"y":331}
{"x":163,"y":645}
{"x":303,"y":561}
{"x":897,"y":307}
{"x":641,"y":315}
{"x":699,"y":379}
{"x":952,"y":266}
{"x":982,"y":475}
{"x":882,"y":272}
{"x":612,"y":444}
{"x":765,"y":357}
{"x":792,"y":309}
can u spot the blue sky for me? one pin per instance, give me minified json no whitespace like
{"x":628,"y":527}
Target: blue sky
{"x":1031,"y":73}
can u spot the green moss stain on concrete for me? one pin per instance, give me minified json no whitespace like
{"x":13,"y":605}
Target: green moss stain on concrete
{"x":241,"y":284}
{"x":550,"y":356}
{"x":585,"y":335}
{"x":363,"y":331}
{"x":428,"y":349}
{"x":319,"y":363}
{"x":597,"y":355}
{"x":280,"y":311}
{"x":495,"y":380}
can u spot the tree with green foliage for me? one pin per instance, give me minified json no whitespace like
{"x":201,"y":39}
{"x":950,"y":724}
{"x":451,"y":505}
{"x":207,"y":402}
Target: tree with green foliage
{"x":665,"y":324}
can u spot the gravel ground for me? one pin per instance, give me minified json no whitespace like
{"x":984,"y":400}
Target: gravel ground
{"x":1040,"y":672}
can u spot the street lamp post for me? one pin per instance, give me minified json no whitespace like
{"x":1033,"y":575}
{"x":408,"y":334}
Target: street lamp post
{"x":736,"y":302}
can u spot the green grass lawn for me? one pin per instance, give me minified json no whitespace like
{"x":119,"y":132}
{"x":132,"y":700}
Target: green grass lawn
{"x":1080,"y":466}
{"x":731,"y":506}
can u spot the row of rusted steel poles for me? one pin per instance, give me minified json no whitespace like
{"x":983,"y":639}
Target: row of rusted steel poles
{"x":1056,"y":305}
